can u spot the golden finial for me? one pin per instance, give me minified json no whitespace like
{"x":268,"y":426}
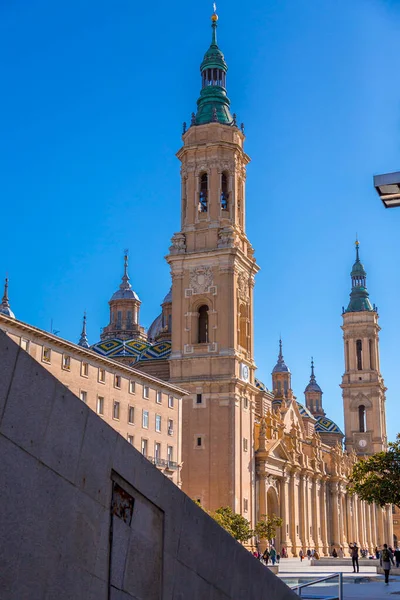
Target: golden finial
{"x":214,"y":16}
{"x":357,"y":242}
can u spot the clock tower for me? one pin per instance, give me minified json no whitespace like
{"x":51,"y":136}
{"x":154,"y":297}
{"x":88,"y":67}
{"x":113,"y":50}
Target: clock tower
{"x":362,"y":383}
{"x":213,"y":267}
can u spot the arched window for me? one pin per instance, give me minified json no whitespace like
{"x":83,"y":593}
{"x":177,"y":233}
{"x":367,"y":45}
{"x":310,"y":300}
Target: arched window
{"x":203,"y":197}
{"x":361,"y":418}
{"x":285,"y":387}
{"x":224,"y":191}
{"x":371,"y":356}
{"x":347,"y":356}
{"x":279,"y":388}
{"x":359,"y":354}
{"x":203,"y":325}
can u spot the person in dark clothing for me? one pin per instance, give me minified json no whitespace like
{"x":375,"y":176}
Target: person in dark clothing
{"x":354,"y":558}
{"x":397,"y":557}
{"x":386,"y":561}
{"x":334,"y":553}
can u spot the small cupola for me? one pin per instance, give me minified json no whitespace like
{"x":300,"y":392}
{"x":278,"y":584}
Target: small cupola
{"x":5,"y":303}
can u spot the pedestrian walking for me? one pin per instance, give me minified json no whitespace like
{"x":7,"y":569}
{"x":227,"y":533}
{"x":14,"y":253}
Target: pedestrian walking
{"x":397,"y":557}
{"x":334,"y":553}
{"x":386,"y":562}
{"x":272,"y":555}
{"x":354,"y":557}
{"x":301,"y":554}
{"x":308,"y":553}
{"x":266,"y":556}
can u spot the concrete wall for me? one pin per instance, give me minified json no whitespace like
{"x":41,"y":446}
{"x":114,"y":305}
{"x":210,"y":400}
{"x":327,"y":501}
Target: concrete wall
{"x":72,"y":489}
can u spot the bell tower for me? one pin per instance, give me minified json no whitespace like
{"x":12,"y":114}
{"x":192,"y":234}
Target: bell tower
{"x":213,"y":268}
{"x":362,"y":385}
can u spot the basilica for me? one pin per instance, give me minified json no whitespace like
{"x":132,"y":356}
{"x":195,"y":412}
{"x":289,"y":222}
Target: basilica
{"x":244,"y":443}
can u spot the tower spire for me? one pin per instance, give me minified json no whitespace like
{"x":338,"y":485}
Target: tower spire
{"x":5,"y":303}
{"x":83,"y":341}
{"x":359,"y":297}
{"x":213,"y":104}
{"x":125,"y":285}
{"x":313,"y":394}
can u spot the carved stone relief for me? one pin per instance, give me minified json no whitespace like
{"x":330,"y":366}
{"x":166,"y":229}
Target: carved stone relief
{"x":200,"y":279}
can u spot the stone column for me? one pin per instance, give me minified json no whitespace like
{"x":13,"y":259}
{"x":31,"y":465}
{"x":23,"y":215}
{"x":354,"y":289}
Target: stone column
{"x":317,"y":514}
{"x":389,"y":525}
{"x":343,"y":518}
{"x":335,"y":534}
{"x":324,"y":520}
{"x":303,"y":512}
{"x":262,"y":504}
{"x":368,"y":508}
{"x":381,"y":529}
{"x":350,"y":519}
{"x":294,"y":513}
{"x":373,"y":526}
{"x":285,"y":503}
{"x":355,"y":517}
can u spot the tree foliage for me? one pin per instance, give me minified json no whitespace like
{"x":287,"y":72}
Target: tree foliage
{"x":266,"y":528}
{"x":239,"y":527}
{"x":376,"y":478}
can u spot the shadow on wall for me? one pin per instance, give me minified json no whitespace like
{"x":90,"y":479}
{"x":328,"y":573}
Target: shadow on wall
{"x":85,"y":516}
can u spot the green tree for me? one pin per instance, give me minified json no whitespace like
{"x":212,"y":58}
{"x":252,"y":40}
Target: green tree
{"x":266,"y":528}
{"x":233,"y":523}
{"x":376,"y":478}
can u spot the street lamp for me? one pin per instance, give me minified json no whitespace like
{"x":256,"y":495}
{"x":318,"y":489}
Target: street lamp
{"x":388,"y":188}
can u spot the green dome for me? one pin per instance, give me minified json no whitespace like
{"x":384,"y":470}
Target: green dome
{"x":359,"y":297}
{"x":213,"y":105}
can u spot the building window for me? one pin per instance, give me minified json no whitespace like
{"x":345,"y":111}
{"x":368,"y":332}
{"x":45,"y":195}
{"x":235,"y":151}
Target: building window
{"x":158,"y":397}
{"x":199,"y":441}
{"x":203,"y":325}
{"x":245,"y":505}
{"x":146,"y":391}
{"x":46,"y":354}
{"x":102,"y":375}
{"x":145,"y":419}
{"x":116,"y":410}
{"x":130,"y":439}
{"x":158,"y":423}
{"x":131,"y":387}
{"x":170,"y":427}
{"x":157,"y":451}
{"x":170,"y":402}
{"x":371,"y":355}
{"x":66,"y":362}
{"x":361,"y":418}
{"x":245,"y":444}
{"x":117,"y":381}
{"x":347,"y":356}
{"x":246,"y":402}
{"x":83,"y":396}
{"x":224,"y":192}
{"x":131,"y":415}
{"x":359,"y":354}
{"x":25,"y":344}
{"x":203,"y":196}
{"x":144,"y":447}
{"x":100,"y":405}
{"x":84,"y":369}
{"x":199,"y":399}
{"x":170,"y":453}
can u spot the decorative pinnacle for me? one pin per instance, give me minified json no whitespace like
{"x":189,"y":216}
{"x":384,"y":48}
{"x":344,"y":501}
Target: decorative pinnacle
{"x":83,"y":340}
{"x":125,"y":285}
{"x":312,"y":370}
{"x":357,"y":244}
{"x":5,"y":301}
{"x":280,"y":356}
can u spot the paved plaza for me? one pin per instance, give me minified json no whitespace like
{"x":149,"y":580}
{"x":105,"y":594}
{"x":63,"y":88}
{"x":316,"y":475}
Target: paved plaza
{"x":366,"y":584}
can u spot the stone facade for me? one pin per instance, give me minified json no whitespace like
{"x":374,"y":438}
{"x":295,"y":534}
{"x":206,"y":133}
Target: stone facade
{"x":144,"y":410}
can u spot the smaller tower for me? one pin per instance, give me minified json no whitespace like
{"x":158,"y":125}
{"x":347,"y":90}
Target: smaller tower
{"x":362,"y":383}
{"x":281,"y":378}
{"x":83,"y":340}
{"x":161,"y":327}
{"x":313,"y":394}
{"x":5,"y":304}
{"x":124,"y":312}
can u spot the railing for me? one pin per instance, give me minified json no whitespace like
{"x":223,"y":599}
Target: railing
{"x":298,"y":588}
{"x":161,"y":462}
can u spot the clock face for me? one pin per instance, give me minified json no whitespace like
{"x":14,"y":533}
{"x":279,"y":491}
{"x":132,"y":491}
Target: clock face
{"x":362,"y":443}
{"x":245,"y":372}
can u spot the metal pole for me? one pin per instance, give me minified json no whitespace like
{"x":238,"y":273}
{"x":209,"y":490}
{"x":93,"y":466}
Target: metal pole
{"x":341,"y":597}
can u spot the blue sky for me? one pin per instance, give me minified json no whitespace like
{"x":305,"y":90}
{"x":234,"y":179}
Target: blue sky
{"x":94,"y":96}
